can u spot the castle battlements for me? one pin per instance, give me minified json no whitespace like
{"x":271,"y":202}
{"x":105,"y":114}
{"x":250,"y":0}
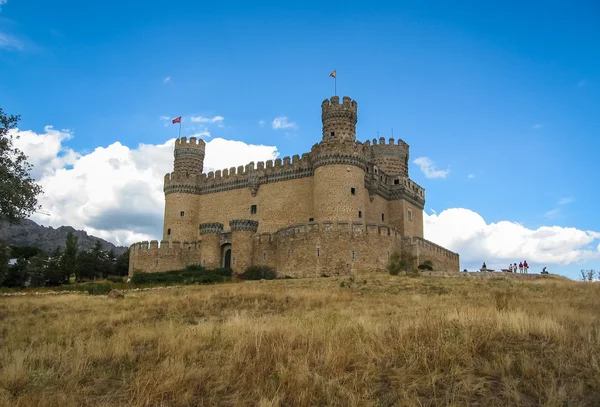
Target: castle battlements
{"x":163,"y":245}
{"x":193,"y":141}
{"x":430,"y":246}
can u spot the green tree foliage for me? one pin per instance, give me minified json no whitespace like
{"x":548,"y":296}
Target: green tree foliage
{"x":394,"y":266}
{"x":68,"y":261}
{"x":18,"y":191}
{"x":36,"y":269}
{"x":4,"y":258}
{"x":17,"y":274}
{"x":122,"y":264}
{"x":426,"y":265}
{"x":23,"y":251}
{"x":259,"y":273}
{"x":53,"y":273}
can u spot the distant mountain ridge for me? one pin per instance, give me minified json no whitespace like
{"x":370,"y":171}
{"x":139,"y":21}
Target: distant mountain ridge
{"x":29,"y":233}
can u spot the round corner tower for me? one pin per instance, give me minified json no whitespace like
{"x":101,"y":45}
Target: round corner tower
{"x":339,"y":120}
{"x":339,"y":164}
{"x":181,"y":191}
{"x":189,"y":156}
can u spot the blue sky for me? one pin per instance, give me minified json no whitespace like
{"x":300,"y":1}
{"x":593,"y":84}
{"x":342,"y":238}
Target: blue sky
{"x":506,"y":96}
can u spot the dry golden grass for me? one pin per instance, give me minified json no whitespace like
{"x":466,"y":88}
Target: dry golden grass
{"x":380,"y":342}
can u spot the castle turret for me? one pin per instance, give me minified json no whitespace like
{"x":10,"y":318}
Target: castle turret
{"x":339,"y":164}
{"x":390,"y":157}
{"x":339,"y":120}
{"x":189,"y":156}
{"x":181,"y":203}
{"x":210,"y":233}
{"x":242,"y":243}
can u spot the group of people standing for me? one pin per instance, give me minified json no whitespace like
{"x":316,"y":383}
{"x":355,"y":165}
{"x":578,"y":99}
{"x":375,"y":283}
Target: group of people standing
{"x":523,"y":267}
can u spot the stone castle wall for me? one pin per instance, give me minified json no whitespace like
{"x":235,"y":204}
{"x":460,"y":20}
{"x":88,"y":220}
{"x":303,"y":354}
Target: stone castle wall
{"x":302,"y":250}
{"x":152,"y":256}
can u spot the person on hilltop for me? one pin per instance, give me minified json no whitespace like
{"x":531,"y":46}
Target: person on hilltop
{"x":510,"y":269}
{"x":525,"y":266}
{"x":521,"y":268}
{"x":484,"y":267}
{"x":515,"y":268}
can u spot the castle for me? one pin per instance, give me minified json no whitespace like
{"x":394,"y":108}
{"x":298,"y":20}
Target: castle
{"x":342,"y":208}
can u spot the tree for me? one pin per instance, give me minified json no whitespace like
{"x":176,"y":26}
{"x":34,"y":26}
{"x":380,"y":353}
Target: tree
{"x":17,"y":274}
{"x":53,"y":273}
{"x":37,"y":269}
{"x":122,"y":266}
{"x":68,"y":261}
{"x":18,"y":191}
{"x":4,"y":258}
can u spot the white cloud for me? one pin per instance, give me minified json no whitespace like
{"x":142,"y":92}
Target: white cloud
{"x":201,"y":134}
{"x":282,"y":122}
{"x":200,"y":119}
{"x":10,"y":42}
{"x":471,"y":176}
{"x":167,"y":79}
{"x":261,"y":123}
{"x":537,"y":126}
{"x":498,"y":244}
{"x":428,"y":168}
{"x":552,"y":213}
{"x":567,"y":200}
{"x":45,"y":151}
{"x":115,"y":192}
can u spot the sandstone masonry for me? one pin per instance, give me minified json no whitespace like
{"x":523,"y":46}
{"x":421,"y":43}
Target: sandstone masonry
{"x":344,"y":207}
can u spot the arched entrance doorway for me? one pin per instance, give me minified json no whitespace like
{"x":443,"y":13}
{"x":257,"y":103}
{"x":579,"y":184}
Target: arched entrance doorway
{"x":226,"y":256}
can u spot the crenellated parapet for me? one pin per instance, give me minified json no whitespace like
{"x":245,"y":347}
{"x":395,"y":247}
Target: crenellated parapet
{"x":339,"y":151}
{"x":392,"y":188}
{"x":164,"y":256}
{"x":251,"y":175}
{"x":248,"y":225}
{"x":211,"y":228}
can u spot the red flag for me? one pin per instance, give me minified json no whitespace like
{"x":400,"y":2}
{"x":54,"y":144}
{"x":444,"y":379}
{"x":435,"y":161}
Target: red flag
{"x":177,"y":120}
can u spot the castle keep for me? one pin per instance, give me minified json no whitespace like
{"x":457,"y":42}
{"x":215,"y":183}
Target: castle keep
{"x":343,"y":207}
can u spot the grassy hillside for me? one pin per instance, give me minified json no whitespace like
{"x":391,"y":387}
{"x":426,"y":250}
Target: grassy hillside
{"x":377,"y":342}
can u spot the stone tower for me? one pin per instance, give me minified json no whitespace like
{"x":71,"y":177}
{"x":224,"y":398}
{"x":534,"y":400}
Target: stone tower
{"x":390,"y":157}
{"x":339,"y":165}
{"x":189,"y":156}
{"x":339,"y":121}
{"x":181,"y":203}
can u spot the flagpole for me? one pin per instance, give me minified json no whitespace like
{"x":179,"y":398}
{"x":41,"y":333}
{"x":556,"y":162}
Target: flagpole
{"x":179,"y":128}
{"x":335,"y":83}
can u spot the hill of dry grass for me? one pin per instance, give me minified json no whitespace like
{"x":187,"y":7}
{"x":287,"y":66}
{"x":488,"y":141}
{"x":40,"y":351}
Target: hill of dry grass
{"x":377,"y":341}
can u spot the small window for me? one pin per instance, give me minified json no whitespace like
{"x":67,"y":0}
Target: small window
{"x":181,"y":213}
{"x":409,"y":214}
{"x":332,"y":134}
{"x":353,"y":254}
{"x":169,"y":232}
{"x":353,"y":191}
{"x":396,"y":181}
{"x":360,"y":214}
{"x":382,"y":217}
{"x":318,"y":252}
{"x":311,"y":219}
{"x":265,"y":256}
{"x":253,"y":209}
{"x":157,"y":262}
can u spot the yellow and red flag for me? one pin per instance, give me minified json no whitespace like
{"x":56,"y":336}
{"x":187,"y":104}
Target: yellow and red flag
{"x":332,"y":74}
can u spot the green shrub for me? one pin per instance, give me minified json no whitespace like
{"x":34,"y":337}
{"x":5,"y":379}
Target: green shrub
{"x":259,"y":273}
{"x":115,"y":279}
{"x":97,"y":288}
{"x":194,"y":274}
{"x":394,"y":266}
